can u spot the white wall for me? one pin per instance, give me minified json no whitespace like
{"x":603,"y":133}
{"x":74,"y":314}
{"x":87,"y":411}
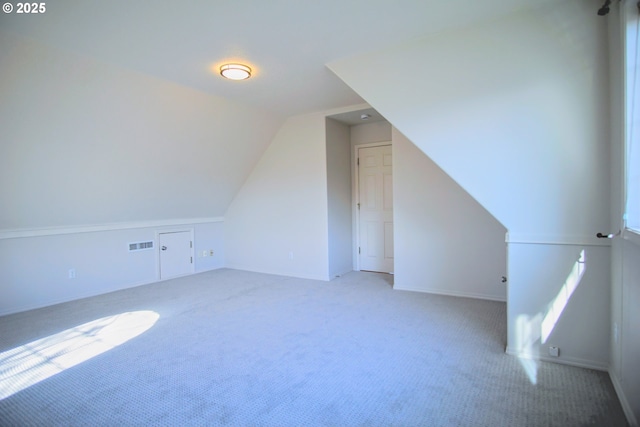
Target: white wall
{"x":445,"y":242}
{"x":85,"y":143}
{"x":626,"y":339}
{"x":515,"y":111}
{"x":339,"y":198}
{"x":579,"y":324}
{"x":277,"y":223}
{"x":370,"y":132}
{"x":35,"y":270}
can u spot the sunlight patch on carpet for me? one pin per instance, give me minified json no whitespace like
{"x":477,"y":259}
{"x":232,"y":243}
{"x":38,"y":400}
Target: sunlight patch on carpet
{"x":38,"y":360}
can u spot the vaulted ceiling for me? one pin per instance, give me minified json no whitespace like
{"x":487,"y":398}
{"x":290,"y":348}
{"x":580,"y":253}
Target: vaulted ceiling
{"x":287,"y":43}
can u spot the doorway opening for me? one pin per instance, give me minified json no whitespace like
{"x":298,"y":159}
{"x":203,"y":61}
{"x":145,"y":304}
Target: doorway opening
{"x":359,"y":239}
{"x":373,"y":171}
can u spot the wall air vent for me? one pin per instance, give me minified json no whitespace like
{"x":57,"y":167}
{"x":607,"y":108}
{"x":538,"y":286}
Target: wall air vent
{"x":140,"y":246}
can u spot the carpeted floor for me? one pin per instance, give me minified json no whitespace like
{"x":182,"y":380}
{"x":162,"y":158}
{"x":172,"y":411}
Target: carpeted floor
{"x":246,"y":349}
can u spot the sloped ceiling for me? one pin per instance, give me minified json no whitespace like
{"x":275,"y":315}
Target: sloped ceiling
{"x":514,"y":110}
{"x":286,"y":42}
{"x":83,"y":142}
{"x":114,"y":111}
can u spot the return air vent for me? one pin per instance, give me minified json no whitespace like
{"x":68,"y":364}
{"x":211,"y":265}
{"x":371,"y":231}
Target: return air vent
{"x":140,"y":246}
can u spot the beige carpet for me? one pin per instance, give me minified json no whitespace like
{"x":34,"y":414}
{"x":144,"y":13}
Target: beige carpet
{"x":245,"y":349}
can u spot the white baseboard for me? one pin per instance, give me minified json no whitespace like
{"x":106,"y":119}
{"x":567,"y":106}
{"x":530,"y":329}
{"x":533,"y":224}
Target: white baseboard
{"x":449,"y":293}
{"x":626,"y":407}
{"x":563,"y":360}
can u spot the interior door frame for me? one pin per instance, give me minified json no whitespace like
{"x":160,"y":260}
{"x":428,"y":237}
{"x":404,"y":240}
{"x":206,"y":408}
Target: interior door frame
{"x":175,"y":230}
{"x":356,"y":196}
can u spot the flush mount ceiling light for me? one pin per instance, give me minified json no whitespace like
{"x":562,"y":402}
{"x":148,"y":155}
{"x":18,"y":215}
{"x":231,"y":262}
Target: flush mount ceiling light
{"x":235,"y":71}
{"x":365,"y":116}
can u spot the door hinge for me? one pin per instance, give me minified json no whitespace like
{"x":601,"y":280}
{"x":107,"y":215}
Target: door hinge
{"x":358,"y":205}
{"x":358,"y":249}
{"x":358,"y":161}
{"x":191,"y":260}
{"x":191,"y":244}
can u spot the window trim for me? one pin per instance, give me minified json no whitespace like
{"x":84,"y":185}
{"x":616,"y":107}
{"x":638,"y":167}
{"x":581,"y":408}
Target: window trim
{"x":630,"y":15}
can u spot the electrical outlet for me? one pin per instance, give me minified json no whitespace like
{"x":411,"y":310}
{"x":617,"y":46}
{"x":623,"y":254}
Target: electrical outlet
{"x":210,"y":252}
{"x":72,"y":273}
{"x":204,"y":253}
{"x":554,"y":351}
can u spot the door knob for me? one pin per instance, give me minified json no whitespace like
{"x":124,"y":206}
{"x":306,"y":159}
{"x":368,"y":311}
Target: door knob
{"x":164,"y":248}
{"x":608,"y":236}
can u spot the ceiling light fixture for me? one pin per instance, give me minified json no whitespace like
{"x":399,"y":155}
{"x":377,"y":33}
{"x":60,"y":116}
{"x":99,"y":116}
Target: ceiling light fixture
{"x":235,"y":71}
{"x":365,"y":117}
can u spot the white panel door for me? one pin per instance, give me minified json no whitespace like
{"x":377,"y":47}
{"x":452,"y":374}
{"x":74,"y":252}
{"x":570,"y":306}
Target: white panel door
{"x":176,"y":257}
{"x":375,"y":196}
